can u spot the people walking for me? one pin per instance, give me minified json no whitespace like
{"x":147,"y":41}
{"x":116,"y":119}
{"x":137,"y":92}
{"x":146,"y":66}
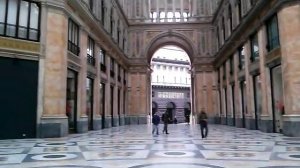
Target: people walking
{"x":203,"y":124}
{"x":165,"y":119}
{"x":155,"y":121}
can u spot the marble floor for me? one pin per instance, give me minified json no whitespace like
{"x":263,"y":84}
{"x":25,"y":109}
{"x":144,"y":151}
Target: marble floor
{"x":135,"y":147}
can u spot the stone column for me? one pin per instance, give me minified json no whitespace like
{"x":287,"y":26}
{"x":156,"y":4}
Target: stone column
{"x":108,"y":116}
{"x":266,"y":123}
{"x":115,"y":103}
{"x":138,"y":83}
{"x":250,"y":117}
{"x":54,"y":122}
{"x":203,"y":98}
{"x":289,"y":39}
{"x":82,"y":118}
{"x":238,"y":98}
{"x":97,"y":120}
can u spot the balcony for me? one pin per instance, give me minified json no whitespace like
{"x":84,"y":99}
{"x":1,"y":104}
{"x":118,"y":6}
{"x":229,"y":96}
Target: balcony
{"x":91,"y":60}
{"x":73,"y":48}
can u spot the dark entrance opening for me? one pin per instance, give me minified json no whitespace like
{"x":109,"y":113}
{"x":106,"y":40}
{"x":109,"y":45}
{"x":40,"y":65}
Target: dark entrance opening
{"x":102,"y":103}
{"x":71,"y":102}
{"x":18,"y":88}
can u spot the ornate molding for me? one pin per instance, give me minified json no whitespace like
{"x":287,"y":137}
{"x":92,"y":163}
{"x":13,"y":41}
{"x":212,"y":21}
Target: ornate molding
{"x":20,"y":46}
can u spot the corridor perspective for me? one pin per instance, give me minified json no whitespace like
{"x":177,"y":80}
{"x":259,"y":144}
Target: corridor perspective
{"x":136,"y":147}
{"x":81,"y":80}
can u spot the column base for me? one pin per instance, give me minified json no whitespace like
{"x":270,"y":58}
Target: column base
{"x":116,"y":121}
{"x":122,"y":121}
{"x":250,"y":124}
{"x":223,"y":120}
{"x":82,"y":125}
{"x":108,"y":122}
{"x":230,"y":121}
{"x":135,"y":120}
{"x":217,"y":120}
{"x":291,"y":125}
{"x":53,"y":127}
{"x":266,"y":124}
{"x":97,"y":123}
{"x":239,"y":122}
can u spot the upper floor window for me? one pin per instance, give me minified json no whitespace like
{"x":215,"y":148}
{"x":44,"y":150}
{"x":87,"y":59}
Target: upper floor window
{"x":239,"y":10}
{"x":73,"y":37}
{"x":112,"y":64}
{"x":102,"y":60}
{"x":272,"y":33}
{"x":112,"y":67}
{"x":20,"y":19}
{"x":254,"y":48}
{"x":231,"y":65}
{"x":118,"y":32}
{"x":224,"y":71}
{"x":90,"y":51}
{"x":218,"y":37}
{"x":219,"y":75}
{"x":102,"y":12}
{"x":91,"y":3}
{"x":241,"y":54}
{"x":119,"y":72}
{"x":223,"y":29}
{"x":230,"y":17}
{"x":111,"y":21}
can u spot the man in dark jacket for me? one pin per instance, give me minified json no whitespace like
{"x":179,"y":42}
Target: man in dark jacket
{"x":203,"y":124}
{"x":165,"y":119}
{"x":155,"y":121}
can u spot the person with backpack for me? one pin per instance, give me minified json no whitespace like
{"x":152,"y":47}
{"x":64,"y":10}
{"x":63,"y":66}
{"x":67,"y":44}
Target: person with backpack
{"x":155,"y":121}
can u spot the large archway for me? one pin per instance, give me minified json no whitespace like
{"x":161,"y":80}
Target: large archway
{"x":171,"y":82}
{"x":170,"y":38}
{"x":182,"y":42}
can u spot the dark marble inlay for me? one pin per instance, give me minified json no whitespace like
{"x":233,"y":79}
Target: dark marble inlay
{"x":174,"y":153}
{"x":56,"y":144}
{"x":295,"y":156}
{"x":293,"y":143}
{"x":3,"y":159}
{"x":54,"y":156}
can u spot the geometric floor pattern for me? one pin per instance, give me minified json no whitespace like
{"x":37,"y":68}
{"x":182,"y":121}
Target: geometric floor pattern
{"x":135,"y":147}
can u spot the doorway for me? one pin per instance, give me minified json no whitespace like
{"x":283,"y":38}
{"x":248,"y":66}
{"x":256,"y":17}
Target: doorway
{"x":277,"y":98}
{"x":243,"y":100}
{"x":102,"y":103}
{"x":90,"y":102}
{"x":71,"y":102}
{"x":171,"y":111}
{"x":18,"y":97}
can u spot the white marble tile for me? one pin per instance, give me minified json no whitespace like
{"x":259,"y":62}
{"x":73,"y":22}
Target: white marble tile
{"x":60,"y":149}
{"x":236,"y":155}
{"x":125,"y":154}
{"x":9,"y":159}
